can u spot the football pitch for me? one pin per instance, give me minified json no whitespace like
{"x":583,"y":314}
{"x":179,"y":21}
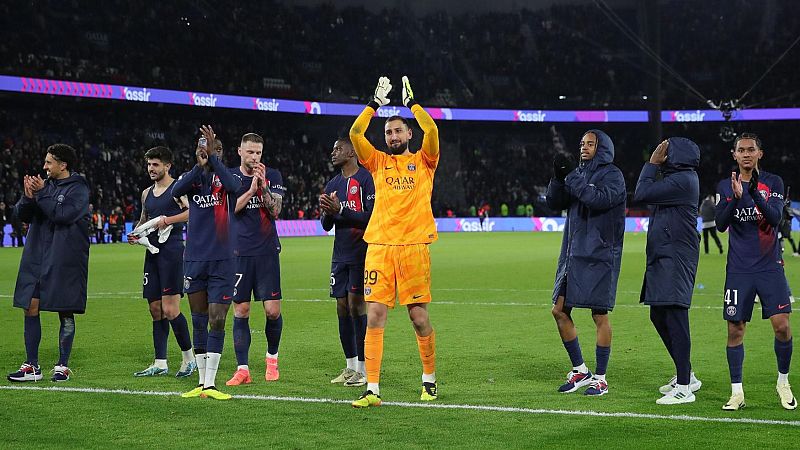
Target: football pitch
{"x":499,"y":362}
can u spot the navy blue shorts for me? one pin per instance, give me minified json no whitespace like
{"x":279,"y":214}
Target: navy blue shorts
{"x":741,"y":290}
{"x":346,"y":277}
{"x":163,"y":274}
{"x":214,"y":277}
{"x":257,"y":277}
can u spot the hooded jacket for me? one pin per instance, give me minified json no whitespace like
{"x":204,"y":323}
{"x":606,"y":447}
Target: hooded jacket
{"x":591,"y":250}
{"x":673,"y":244}
{"x":56,"y":254}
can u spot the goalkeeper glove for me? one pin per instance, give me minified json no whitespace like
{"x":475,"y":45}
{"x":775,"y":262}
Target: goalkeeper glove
{"x":408,"y":94}
{"x":381,"y":96}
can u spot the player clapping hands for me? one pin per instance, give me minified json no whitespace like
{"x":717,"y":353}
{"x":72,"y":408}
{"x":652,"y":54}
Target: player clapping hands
{"x":330,"y":204}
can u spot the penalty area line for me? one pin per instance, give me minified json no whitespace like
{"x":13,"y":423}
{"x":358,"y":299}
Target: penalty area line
{"x":488,"y":408}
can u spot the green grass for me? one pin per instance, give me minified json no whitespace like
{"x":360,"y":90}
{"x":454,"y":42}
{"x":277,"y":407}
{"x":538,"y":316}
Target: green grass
{"x":497,"y":345}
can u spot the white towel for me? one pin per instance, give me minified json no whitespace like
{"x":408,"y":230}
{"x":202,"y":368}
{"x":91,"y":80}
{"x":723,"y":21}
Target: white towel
{"x":142,"y":231}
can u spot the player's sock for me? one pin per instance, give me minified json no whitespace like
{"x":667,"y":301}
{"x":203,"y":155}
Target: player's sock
{"x":66,"y":334}
{"x":360,"y":368}
{"x":187,"y":355}
{"x":783,"y":378}
{"x":374,"y":387}
{"x":273,"y":329}
{"x":347,"y":337}
{"x":574,"y":352}
{"x":373,"y":355}
{"x":33,"y":336}
{"x":736,"y":388}
{"x":181,"y":329}
{"x":200,"y":331}
{"x":783,"y":352}
{"x":160,"y":363}
{"x":200,"y":359}
{"x":602,"y":354}
{"x":352,"y":363}
{"x":241,"y":339}
{"x":243,"y":367}
{"x":216,"y":341}
{"x":735,"y":362}
{"x":361,"y":331}
{"x":212,"y":365}
{"x":601,"y":377}
{"x":160,"y":336}
{"x":427,"y":353}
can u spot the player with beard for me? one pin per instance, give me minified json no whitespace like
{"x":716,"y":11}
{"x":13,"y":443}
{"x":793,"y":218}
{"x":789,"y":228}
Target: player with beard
{"x":257,"y":252}
{"x":208,"y":264}
{"x":399,"y":233}
{"x":750,"y":203}
{"x":54,"y":267}
{"x":162,"y":283}
{"x":350,"y":215}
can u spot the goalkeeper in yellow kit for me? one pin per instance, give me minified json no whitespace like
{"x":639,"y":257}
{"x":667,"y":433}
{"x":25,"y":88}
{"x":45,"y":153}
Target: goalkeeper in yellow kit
{"x":399,"y":232}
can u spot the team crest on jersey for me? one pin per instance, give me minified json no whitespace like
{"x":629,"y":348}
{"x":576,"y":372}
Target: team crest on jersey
{"x":731,"y":310}
{"x":60,"y":198}
{"x":763,"y":193}
{"x":216,"y":182}
{"x":367,"y":290}
{"x":412,"y":167}
{"x":186,"y":282}
{"x":353,"y":190}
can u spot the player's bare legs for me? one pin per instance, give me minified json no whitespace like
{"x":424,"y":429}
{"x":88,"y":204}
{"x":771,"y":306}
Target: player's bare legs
{"x":780,"y":324}
{"x":376,"y":315}
{"x":356,"y":305}
{"x":566,"y":327}
{"x":33,"y":309}
{"x":736,"y":333}
{"x":603,"y":329}
{"x":418,"y":313}
{"x":579,"y":376}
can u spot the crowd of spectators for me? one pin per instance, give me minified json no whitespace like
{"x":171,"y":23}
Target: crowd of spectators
{"x":557,"y":57}
{"x":111,"y":143}
{"x":563,"y":56}
{"x":483,"y":164}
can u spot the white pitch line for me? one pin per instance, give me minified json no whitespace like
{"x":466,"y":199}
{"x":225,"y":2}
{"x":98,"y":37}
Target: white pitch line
{"x":489,"y":408}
